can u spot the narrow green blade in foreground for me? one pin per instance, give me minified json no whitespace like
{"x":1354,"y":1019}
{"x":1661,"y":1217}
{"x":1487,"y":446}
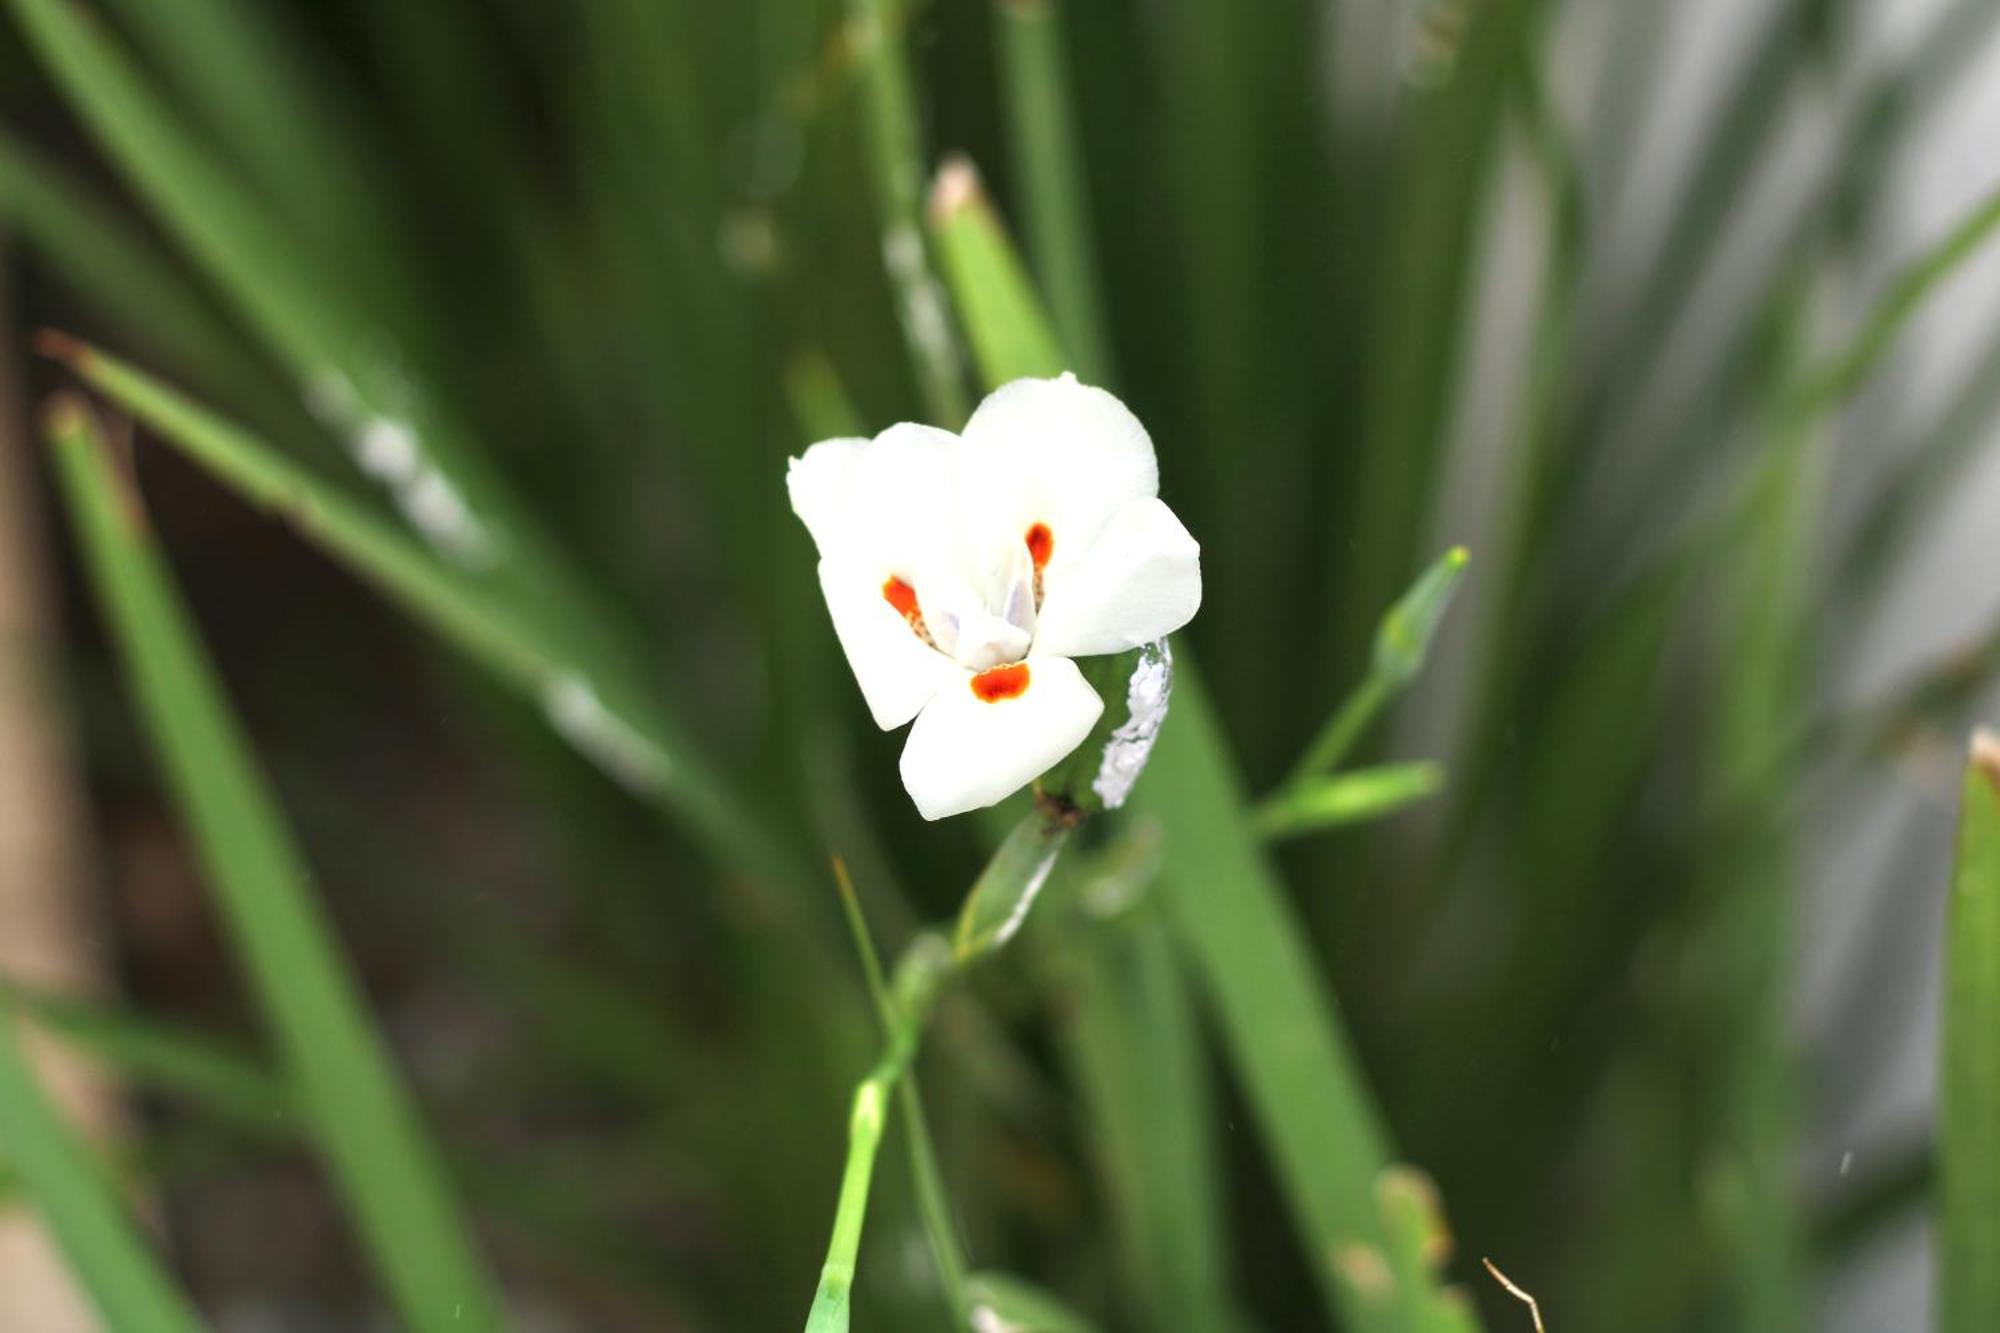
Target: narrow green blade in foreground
{"x":76,"y":1198}
{"x":1969,"y":1093}
{"x":365,"y":1125}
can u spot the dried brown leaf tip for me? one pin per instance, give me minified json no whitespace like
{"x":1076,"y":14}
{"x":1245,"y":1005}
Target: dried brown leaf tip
{"x":1986,"y":755}
{"x":59,"y":346}
{"x":955,"y":188}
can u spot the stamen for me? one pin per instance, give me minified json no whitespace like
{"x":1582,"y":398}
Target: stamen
{"x":1001,"y":682}
{"x":1041,"y":544}
{"x":904,"y":598}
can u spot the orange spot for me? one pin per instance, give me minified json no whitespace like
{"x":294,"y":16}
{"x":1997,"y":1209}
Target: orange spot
{"x":901,"y":596}
{"x":1041,"y":542}
{"x":1001,"y":682}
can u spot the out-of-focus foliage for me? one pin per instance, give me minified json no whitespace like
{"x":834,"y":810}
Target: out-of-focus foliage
{"x":515,"y":311}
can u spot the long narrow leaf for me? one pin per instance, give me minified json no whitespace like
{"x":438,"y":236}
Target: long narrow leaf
{"x":1969,"y":1111}
{"x":365,"y":1125}
{"x":76,"y":1197}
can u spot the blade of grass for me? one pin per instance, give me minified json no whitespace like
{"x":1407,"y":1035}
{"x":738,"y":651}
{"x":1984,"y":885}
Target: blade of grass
{"x":1969,"y":1089}
{"x":1044,"y":143}
{"x":1002,"y":316}
{"x":1421,"y":296}
{"x":603,"y":717}
{"x":78,"y":235}
{"x":366,"y":1128}
{"x":187,"y":1064}
{"x":346,"y":360}
{"x":1845,"y":374}
{"x":82,"y":1208}
{"x":896,"y":168}
{"x":1135,"y":1050}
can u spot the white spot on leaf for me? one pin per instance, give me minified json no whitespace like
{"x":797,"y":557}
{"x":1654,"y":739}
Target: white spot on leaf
{"x":1146,"y":696}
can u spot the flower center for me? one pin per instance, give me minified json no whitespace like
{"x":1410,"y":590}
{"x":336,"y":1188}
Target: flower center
{"x":1001,"y":682}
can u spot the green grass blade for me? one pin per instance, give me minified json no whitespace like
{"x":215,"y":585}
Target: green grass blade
{"x":1045,"y":143}
{"x":228,"y":59}
{"x":1848,"y":371}
{"x":1002,"y":313}
{"x":1969,"y":1089}
{"x":1341,"y":799}
{"x":187,"y":1064}
{"x":625,"y":734}
{"x":364,"y":1123}
{"x":1135,"y":1044}
{"x":81,"y":1206}
{"x":896,"y":166}
{"x":208,"y":208}
{"x":77,"y":234}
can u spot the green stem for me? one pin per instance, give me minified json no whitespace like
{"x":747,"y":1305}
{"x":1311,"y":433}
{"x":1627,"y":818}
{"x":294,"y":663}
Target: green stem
{"x":994,"y":907}
{"x":864,"y":1135}
{"x":1343,"y":729}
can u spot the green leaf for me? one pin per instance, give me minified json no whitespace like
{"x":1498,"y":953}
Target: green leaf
{"x":1002,"y":314}
{"x":200,"y":1069}
{"x":81,"y":1206}
{"x":366,"y":1128}
{"x":999,"y":900}
{"x":1340,"y":799}
{"x":1845,"y":375}
{"x":601,"y":714}
{"x":1969,"y":1089}
{"x":1047,"y":150}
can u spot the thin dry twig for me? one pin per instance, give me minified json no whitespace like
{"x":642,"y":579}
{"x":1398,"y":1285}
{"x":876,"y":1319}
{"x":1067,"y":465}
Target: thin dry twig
{"x":1534,"y":1308}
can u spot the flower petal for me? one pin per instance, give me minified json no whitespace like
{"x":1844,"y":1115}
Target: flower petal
{"x":1055,"y":452}
{"x":898,"y":672}
{"x":889,"y":498}
{"x":966,"y":752}
{"x":1139,"y":581}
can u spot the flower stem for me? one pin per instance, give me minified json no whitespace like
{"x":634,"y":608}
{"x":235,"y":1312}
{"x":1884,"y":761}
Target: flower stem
{"x":1002,"y":894}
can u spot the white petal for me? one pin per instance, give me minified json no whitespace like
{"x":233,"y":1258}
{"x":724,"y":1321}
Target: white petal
{"x":1140,"y":581}
{"x":898,"y":672}
{"x":1055,"y":452}
{"x":965,"y":753}
{"x":889,"y":498}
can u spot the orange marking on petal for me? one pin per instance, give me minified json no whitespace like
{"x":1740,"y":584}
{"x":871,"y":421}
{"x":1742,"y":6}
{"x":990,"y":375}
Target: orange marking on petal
{"x":1041,"y":544}
{"x":901,"y":596}
{"x":1001,"y":682}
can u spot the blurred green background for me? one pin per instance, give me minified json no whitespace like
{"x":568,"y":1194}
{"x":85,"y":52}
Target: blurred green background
{"x":1616,"y":295}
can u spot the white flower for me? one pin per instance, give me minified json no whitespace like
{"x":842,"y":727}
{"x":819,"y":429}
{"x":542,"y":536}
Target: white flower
{"x":963,"y":574}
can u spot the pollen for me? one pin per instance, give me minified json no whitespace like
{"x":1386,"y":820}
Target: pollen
{"x":1041,"y":544}
{"x":1002,"y":682}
